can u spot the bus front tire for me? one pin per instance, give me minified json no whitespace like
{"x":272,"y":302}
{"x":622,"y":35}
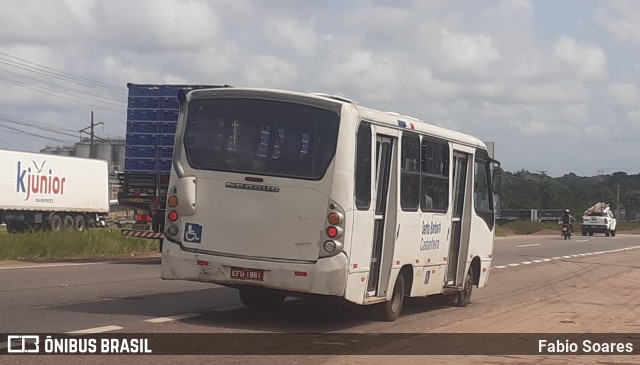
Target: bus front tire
{"x":392,"y":308}
{"x":464,"y":295}
{"x":260,"y":298}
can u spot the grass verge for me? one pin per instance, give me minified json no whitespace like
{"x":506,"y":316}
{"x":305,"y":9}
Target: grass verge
{"x":94,"y":243}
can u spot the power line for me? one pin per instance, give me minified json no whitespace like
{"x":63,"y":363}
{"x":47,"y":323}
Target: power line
{"x":33,"y":134}
{"x":52,"y":72}
{"x":106,"y":99}
{"x":44,"y":128}
{"x":28,"y":121}
{"x":35,"y":88}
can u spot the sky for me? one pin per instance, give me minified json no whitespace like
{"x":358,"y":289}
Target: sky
{"x":555,"y":84}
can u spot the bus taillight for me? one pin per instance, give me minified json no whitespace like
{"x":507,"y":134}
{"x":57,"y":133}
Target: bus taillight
{"x":334,"y":218}
{"x":172,"y":201}
{"x":173,"y":216}
{"x":332,"y":232}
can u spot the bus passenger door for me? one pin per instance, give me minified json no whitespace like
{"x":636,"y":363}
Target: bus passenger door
{"x":384,"y":216}
{"x":460,"y":231}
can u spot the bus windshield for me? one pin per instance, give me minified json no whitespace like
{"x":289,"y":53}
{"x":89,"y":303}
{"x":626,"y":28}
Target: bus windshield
{"x":260,"y":137}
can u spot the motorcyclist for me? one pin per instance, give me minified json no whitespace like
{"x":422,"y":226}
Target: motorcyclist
{"x":567,"y":218}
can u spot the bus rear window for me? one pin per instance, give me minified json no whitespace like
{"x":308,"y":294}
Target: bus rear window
{"x":260,"y":137}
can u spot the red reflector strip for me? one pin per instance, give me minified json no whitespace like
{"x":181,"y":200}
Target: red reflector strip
{"x":300,"y":273}
{"x":397,"y":262}
{"x":202,"y":263}
{"x":355,"y":266}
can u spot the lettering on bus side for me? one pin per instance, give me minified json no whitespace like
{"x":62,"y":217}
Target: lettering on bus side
{"x":232,"y":185}
{"x":428,"y":242}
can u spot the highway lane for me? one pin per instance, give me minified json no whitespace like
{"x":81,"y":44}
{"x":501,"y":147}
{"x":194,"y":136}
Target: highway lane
{"x":129,"y":296}
{"x":518,"y":249}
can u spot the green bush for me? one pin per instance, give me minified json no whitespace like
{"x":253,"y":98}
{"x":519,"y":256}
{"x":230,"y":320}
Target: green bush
{"x":93,"y":243}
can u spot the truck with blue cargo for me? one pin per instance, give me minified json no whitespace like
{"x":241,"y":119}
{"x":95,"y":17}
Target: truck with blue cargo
{"x":152,"y":116}
{"x":50,"y":192}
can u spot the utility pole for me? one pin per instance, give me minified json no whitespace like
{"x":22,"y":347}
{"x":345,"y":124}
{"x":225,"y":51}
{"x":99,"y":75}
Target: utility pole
{"x":618,"y":202}
{"x":542,"y":175}
{"x":91,"y":153}
{"x":92,"y":135}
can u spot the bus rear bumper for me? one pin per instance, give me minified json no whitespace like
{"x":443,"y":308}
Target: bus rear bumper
{"x":327,"y":276}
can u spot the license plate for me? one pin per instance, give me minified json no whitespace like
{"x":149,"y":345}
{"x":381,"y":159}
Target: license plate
{"x":247,"y":274}
{"x":136,"y":200}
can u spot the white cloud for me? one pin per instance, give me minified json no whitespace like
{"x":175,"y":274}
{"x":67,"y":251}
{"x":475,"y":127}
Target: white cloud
{"x":510,"y":9}
{"x":586,"y":61}
{"x":469,"y":54}
{"x":512,"y":71}
{"x":290,"y":34}
{"x":625,"y":94}
{"x":620,"y":18}
{"x":269,"y":71}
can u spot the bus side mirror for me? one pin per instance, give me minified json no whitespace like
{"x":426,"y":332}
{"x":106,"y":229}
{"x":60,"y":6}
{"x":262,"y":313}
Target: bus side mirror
{"x":496,"y":179}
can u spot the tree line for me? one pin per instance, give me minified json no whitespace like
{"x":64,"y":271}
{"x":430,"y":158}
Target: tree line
{"x":527,"y":190}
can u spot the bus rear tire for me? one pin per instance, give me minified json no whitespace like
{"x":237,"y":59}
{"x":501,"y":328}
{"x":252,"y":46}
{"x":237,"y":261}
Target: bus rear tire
{"x":260,"y":297}
{"x":392,"y":308}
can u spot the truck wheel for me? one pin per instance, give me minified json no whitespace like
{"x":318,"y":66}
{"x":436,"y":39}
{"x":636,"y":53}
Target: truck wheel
{"x":584,"y":233}
{"x":55,"y":223}
{"x":606,"y":233}
{"x":590,"y":234}
{"x":393,"y":307}
{"x":79,"y":223}
{"x":67,"y":223}
{"x":613,"y":233}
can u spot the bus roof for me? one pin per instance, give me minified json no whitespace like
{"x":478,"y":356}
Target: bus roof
{"x":391,"y":119}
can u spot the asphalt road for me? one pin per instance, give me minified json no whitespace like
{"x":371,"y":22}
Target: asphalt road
{"x":129,"y":297}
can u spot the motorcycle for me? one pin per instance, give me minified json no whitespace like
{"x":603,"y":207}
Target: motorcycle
{"x":566,"y":231}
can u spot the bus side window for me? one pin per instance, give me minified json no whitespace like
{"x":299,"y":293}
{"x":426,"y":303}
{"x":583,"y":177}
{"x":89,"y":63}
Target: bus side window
{"x":434,"y":176}
{"x":410,"y":172}
{"x":363,"y":167}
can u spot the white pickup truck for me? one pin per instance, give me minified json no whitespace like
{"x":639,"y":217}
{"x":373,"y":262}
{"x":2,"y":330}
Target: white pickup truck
{"x":599,"y":218}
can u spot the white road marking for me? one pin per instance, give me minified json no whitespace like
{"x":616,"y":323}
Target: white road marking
{"x":95,"y":330}
{"x":565,"y":257}
{"x":52,"y":265}
{"x":531,"y":245}
{"x":581,"y":241}
{"x":172,"y":318}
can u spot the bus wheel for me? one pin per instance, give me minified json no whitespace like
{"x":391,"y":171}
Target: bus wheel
{"x":393,"y":307}
{"x":464,"y":296}
{"x":260,"y":298}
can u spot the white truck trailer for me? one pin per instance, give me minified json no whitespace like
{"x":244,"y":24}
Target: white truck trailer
{"x":50,"y":192}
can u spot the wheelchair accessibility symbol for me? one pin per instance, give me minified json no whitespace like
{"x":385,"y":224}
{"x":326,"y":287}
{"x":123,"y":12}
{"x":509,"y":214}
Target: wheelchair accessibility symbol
{"x":192,"y":233}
